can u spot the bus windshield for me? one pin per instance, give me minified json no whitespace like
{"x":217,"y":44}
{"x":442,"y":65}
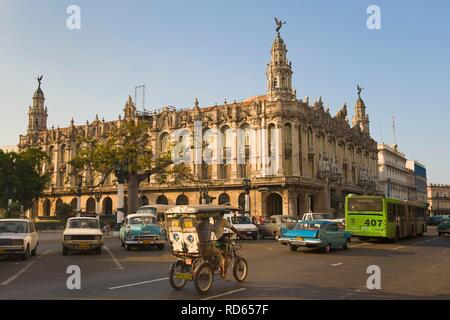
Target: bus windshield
{"x":365,"y":204}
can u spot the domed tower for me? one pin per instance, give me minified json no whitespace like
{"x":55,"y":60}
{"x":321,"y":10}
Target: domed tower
{"x":279,"y":73}
{"x":360,"y":118}
{"x":37,"y":113}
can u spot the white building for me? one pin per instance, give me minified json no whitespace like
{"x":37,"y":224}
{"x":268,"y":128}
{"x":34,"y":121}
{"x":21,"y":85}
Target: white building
{"x":395,"y":179}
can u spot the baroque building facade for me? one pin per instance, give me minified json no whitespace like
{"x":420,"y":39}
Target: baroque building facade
{"x":297,"y":156}
{"x":439,"y":199}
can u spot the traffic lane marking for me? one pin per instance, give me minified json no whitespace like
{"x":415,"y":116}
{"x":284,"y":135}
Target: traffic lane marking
{"x":137,"y":283}
{"x":224,"y":294}
{"x":14,"y":277}
{"x":398,"y":248}
{"x":118,"y":264}
{"x":361,"y":244}
{"x":337,"y":264}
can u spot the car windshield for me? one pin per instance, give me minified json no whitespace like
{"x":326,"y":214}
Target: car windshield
{"x":83,"y":224}
{"x":307,"y":226}
{"x":142,"y":220}
{"x":241,"y":220}
{"x":13,"y":227}
{"x":287,"y":219}
{"x":322,"y":216}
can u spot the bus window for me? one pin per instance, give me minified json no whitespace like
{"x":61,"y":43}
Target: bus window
{"x":392,"y":212}
{"x":365,"y":204}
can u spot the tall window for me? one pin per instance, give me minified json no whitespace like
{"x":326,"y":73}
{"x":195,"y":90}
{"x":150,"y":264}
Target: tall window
{"x":208,"y":145}
{"x":300,"y":157}
{"x":244,"y":150}
{"x":287,"y":134}
{"x":225,"y":168}
{"x":165,"y":142}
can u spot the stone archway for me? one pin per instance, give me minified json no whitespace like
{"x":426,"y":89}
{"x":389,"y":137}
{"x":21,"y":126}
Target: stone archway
{"x":73,"y":204}
{"x":143,"y":201}
{"x":274,"y":204}
{"x":107,"y":206}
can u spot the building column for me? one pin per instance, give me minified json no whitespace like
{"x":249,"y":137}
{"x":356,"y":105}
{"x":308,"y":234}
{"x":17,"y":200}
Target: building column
{"x":279,"y":149}
{"x":234,"y":152}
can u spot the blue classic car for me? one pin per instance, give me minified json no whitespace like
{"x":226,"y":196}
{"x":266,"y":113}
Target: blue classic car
{"x":320,"y":234}
{"x":140,"y":230}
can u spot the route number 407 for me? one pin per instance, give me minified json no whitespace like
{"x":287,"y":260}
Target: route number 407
{"x":373,"y":222}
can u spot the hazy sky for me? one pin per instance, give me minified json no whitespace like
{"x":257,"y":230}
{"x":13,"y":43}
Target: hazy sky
{"x":215,"y":50}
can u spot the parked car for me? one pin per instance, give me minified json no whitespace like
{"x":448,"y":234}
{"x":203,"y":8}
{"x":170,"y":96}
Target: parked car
{"x":444,"y":227}
{"x":142,"y":230}
{"x":271,"y":227}
{"x":81,"y":234}
{"x":319,"y":234}
{"x":18,"y":237}
{"x":435,"y":220}
{"x":244,"y":225}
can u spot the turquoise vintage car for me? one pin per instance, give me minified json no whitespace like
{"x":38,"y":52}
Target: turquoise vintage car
{"x":444,"y":227}
{"x":320,"y":234}
{"x":140,"y":230}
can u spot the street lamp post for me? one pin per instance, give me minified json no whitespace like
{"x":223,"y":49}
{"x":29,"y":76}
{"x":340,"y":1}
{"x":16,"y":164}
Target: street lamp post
{"x":97,"y":196}
{"x":120,"y":173}
{"x":79,"y":185}
{"x":247,"y":182}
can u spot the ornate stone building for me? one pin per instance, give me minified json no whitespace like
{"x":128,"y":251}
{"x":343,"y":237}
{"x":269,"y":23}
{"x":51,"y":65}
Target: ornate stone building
{"x":439,"y":199}
{"x":297,"y":155}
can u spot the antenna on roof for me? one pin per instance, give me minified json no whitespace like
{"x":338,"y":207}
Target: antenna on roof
{"x":139,"y":92}
{"x":393,"y":129}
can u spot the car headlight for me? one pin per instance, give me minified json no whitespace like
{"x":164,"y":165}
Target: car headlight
{"x":68,"y":238}
{"x":17,"y":242}
{"x":98,"y":238}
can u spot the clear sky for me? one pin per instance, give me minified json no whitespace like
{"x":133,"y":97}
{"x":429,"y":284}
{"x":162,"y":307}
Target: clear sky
{"x":219,"y":49}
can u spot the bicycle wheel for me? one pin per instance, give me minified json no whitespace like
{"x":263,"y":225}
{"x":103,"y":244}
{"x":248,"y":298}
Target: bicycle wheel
{"x":177,"y":266}
{"x":240,"y":269}
{"x":203,"y":278}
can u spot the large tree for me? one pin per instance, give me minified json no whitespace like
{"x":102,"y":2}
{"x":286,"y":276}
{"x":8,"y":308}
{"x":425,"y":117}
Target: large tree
{"x":21,"y":178}
{"x":125,"y":149}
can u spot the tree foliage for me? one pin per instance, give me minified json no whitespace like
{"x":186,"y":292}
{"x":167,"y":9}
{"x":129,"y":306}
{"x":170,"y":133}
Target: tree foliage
{"x":126,"y":147}
{"x":21,"y":178}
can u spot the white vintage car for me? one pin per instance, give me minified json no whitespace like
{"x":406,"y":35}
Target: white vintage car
{"x":82,"y":233}
{"x":18,"y":237}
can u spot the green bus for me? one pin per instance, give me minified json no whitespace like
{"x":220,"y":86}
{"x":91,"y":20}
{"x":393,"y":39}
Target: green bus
{"x":384,"y":218}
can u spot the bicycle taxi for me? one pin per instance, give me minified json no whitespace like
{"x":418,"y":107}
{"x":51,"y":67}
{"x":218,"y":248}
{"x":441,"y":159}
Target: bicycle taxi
{"x":198,"y":256}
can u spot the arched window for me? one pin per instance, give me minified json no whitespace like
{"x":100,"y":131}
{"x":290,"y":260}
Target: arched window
{"x":182,"y":200}
{"x":241,"y":201}
{"x":90,"y":205}
{"x":62,"y":154}
{"x":287,"y":133}
{"x":165,"y":142}
{"x":143,"y":201}
{"x":59,"y":204}
{"x":50,"y":154}
{"x":224,"y":198}
{"x":271,"y":148}
{"x":107,"y":206}
{"x":274,"y":204}
{"x":162,"y":200}
{"x":73,"y":204}
{"x":47,"y":207}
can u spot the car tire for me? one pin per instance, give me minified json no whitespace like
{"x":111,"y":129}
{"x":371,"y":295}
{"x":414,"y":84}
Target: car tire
{"x":98,"y":250}
{"x":440,"y":234}
{"x":65,"y":251}
{"x":327,"y":248}
{"x":127,"y":246}
{"x":34,"y":251}
{"x":24,"y":256}
{"x":160,"y":247}
{"x":293,"y":248}
{"x":347,"y":244}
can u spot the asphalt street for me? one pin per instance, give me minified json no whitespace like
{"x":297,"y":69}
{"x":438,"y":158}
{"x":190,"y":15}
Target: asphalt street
{"x":410,"y":269}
